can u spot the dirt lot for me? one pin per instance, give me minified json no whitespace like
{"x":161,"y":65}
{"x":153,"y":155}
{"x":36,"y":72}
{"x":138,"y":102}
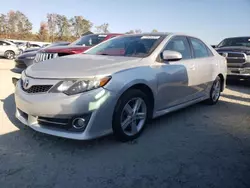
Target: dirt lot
{"x":200,"y":146}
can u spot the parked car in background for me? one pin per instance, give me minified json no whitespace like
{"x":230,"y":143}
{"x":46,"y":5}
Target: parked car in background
{"x":27,"y":58}
{"x":118,"y":85}
{"x":237,"y":52}
{"x":79,"y":46}
{"x":8,"y":49}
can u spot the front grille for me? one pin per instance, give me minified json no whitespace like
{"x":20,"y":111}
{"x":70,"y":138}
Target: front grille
{"x":36,"y":88}
{"x":45,"y":56}
{"x":54,"y":122}
{"x":234,"y":59}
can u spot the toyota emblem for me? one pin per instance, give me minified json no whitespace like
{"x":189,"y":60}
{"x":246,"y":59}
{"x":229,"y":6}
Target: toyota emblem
{"x":26,"y":84}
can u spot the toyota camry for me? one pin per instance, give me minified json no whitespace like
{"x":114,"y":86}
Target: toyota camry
{"x":118,"y":85}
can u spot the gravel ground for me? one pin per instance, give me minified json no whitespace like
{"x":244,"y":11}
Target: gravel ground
{"x":199,"y":146}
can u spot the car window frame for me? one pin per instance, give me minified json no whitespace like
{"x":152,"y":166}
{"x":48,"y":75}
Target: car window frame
{"x":159,"y":59}
{"x":209,"y":52}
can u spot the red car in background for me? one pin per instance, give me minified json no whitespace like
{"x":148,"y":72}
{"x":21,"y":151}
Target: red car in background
{"x":79,"y":46}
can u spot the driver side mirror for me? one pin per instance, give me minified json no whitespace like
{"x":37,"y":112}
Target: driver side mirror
{"x":169,"y":55}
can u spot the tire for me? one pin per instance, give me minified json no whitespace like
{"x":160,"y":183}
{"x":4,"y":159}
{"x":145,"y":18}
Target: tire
{"x":215,"y":92}
{"x":136,"y":118}
{"x":9,"y":54}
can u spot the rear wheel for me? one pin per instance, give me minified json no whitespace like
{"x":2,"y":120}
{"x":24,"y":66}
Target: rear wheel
{"x":9,"y":54}
{"x":131,"y":115}
{"x":215,"y":92}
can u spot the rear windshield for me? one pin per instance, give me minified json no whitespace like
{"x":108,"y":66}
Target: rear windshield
{"x":133,"y":46}
{"x":89,"y":40}
{"x":242,"y":41}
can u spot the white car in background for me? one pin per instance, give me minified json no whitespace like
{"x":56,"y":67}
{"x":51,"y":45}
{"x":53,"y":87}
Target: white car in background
{"x":8,"y":49}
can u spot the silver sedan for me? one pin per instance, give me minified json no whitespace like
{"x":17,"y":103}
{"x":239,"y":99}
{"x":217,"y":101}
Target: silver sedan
{"x":118,"y":85}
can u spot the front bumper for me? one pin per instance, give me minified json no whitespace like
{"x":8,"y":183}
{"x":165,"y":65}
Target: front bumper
{"x":241,"y":72}
{"x":99,"y":104}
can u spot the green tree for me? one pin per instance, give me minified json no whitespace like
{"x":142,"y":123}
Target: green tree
{"x":154,"y":31}
{"x":52,"y":23}
{"x":104,"y":28}
{"x":24,"y":26}
{"x":63,"y":27}
{"x":3,"y":25}
{"x":79,"y":25}
{"x":43,"y":34}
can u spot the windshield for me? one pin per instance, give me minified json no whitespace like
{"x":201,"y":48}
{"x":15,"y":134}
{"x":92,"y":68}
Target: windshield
{"x":89,"y":40}
{"x":134,"y":46}
{"x":243,"y":41}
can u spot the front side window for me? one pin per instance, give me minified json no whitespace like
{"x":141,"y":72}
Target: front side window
{"x":200,"y":49}
{"x":133,"y":46}
{"x":89,"y":40}
{"x":180,"y":44}
{"x":239,"y":41}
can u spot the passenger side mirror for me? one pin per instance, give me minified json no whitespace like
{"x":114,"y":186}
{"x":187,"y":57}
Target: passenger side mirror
{"x":169,"y":55}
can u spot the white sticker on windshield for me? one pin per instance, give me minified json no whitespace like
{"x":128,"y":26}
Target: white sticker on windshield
{"x":102,"y":35}
{"x":150,"y":37}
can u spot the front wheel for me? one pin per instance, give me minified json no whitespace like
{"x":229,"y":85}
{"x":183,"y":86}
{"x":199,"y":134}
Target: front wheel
{"x":130,"y":115}
{"x":215,"y":92}
{"x":9,"y":54}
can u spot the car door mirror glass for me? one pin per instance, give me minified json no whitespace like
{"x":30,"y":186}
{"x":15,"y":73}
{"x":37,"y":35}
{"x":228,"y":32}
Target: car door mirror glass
{"x":169,"y":55}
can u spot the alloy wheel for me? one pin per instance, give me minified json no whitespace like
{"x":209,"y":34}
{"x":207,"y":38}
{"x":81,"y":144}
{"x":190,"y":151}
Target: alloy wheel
{"x":133,"y":116}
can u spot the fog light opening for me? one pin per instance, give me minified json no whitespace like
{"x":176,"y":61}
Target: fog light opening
{"x":79,"y":123}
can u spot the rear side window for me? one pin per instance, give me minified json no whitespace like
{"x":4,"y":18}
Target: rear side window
{"x":180,"y":44}
{"x":200,"y":49}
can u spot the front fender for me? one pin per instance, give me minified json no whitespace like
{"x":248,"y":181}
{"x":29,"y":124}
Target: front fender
{"x":122,"y":81}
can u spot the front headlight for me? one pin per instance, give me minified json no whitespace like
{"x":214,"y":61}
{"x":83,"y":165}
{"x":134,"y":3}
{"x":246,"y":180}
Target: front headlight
{"x":78,"y":86}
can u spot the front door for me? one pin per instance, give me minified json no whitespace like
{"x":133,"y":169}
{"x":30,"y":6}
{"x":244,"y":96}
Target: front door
{"x":177,"y":80}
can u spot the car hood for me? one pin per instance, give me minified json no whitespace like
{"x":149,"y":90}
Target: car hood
{"x":31,"y":50}
{"x":65,"y":49}
{"x":81,"y":66}
{"x":234,"y":49}
{"x":27,"y":54}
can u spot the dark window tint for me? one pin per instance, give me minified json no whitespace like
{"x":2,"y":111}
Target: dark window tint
{"x":134,"y":46}
{"x":200,"y":49}
{"x":180,"y":44}
{"x":34,"y":45}
{"x":239,"y":41}
{"x":89,"y":40}
{"x":2,"y":43}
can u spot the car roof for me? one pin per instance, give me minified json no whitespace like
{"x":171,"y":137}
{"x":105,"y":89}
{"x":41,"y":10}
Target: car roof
{"x":237,"y":37}
{"x":150,"y":34}
{"x":108,"y":34}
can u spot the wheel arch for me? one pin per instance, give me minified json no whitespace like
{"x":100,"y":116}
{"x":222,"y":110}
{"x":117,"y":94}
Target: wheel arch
{"x":145,"y":88}
{"x":222,"y":81}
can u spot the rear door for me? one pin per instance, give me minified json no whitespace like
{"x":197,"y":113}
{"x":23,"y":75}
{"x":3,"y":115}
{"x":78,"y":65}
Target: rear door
{"x":205,"y":64}
{"x":177,"y":80}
